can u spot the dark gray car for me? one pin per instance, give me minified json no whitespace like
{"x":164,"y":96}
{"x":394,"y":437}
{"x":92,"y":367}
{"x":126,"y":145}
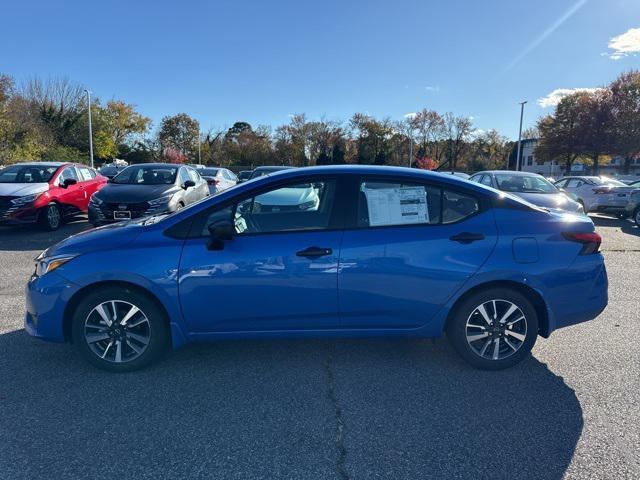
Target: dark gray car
{"x":146,"y":189}
{"x":531,"y":187}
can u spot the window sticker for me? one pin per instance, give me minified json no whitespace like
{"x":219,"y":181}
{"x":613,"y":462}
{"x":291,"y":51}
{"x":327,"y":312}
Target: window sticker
{"x":397,"y":206}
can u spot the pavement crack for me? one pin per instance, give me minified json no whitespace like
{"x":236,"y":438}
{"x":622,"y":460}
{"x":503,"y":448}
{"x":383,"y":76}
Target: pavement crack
{"x":339,"y":433}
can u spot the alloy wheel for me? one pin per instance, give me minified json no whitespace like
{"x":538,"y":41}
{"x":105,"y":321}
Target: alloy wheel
{"x":496,"y":329}
{"x":53,"y":216}
{"x":117,"y":331}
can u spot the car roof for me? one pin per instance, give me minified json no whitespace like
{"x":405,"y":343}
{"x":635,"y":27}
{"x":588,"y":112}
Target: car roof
{"x":510,"y":172}
{"x":158,"y":165}
{"x":42,"y":164}
{"x":416,"y":173}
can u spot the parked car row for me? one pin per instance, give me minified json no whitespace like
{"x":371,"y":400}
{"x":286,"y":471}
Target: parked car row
{"x":51,"y":192}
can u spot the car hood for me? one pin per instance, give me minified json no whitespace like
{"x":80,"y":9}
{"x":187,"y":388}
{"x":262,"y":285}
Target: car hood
{"x":287,"y":196}
{"x":551,"y":200}
{"x":22,"y":189}
{"x":109,"y":237}
{"x":115,"y":193}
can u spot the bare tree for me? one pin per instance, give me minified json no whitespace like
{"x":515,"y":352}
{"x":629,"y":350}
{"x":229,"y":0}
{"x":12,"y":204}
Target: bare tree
{"x":458,"y":130}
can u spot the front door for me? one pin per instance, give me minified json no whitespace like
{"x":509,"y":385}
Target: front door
{"x":414,"y":246}
{"x":279,"y":271}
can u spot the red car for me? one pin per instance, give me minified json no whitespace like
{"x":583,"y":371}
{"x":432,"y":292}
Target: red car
{"x":46,"y":192}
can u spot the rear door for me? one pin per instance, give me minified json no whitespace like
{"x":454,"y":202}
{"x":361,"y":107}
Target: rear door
{"x":412,"y":246}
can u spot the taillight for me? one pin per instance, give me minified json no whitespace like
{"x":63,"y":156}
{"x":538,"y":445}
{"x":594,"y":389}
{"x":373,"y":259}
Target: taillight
{"x":591,"y":241}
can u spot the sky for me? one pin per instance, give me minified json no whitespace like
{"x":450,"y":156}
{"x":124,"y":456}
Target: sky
{"x":262,"y":61}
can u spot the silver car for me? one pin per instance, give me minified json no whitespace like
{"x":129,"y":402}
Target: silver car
{"x":218,"y":179}
{"x":531,"y":187}
{"x":598,"y":194}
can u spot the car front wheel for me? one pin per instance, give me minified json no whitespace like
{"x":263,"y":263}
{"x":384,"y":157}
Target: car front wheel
{"x":493,"y":329}
{"x":119,"y":329}
{"x":50,"y":217}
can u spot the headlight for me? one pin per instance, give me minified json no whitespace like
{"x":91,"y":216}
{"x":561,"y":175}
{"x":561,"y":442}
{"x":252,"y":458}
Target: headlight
{"x":161,"y":200}
{"x":95,"y":200}
{"x":49,"y":264}
{"x":25,"y":200}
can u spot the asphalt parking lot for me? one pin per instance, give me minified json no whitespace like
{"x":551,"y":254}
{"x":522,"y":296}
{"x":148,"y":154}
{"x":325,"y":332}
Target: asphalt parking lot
{"x":326,"y":409}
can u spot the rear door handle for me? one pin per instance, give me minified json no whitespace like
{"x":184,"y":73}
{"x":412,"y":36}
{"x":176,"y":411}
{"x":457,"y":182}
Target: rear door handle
{"x":466,"y":237}
{"x":314,"y":252}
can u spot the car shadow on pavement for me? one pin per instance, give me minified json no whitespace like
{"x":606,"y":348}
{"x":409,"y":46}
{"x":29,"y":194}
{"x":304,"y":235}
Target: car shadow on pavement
{"x":283,"y":409}
{"x":626,"y":226}
{"x":31,"y":237}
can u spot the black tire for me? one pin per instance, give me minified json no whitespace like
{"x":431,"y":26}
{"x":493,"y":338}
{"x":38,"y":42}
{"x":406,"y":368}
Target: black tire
{"x":636,"y":216}
{"x":155,"y":327}
{"x":457,"y":329}
{"x":50,"y":217}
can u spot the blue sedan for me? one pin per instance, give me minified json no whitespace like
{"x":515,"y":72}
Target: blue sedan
{"x":380,"y":251}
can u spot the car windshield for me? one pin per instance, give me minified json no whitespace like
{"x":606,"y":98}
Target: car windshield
{"x":524,"y":184}
{"x":27,"y":174}
{"x":209,"y":172}
{"x":144,"y":175}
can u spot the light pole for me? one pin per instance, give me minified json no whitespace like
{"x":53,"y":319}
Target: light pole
{"x":90,"y":132}
{"x":410,"y":149}
{"x":199,"y":159}
{"x":520,"y":135}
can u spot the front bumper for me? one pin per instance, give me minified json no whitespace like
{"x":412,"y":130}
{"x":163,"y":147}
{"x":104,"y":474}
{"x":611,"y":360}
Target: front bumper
{"x":46,"y":299}
{"x":18,"y":215}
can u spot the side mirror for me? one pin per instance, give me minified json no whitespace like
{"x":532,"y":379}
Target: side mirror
{"x":68,"y":182}
{"x":188,"y":184}
{"x":220,"y":232}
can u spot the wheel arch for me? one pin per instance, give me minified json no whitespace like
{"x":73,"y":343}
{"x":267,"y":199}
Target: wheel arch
{"x":77,"y":297}
{"x":530,"y":293}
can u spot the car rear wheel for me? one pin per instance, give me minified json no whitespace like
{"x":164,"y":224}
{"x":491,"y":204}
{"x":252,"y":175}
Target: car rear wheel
{"x":493,"y":329}
{"x":50,"y":217}
{"x":119,"y":329}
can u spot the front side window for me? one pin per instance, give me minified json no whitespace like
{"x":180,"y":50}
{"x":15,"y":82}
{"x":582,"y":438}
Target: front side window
{"x":67,"y":174}
{"x":486,"y":180}
{"x":295,"y":207}
{"x":391,"y":203}
{"x":193,"y":175}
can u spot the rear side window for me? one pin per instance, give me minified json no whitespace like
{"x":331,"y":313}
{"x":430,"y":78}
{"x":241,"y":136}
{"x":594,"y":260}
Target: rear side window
{"x":395,"y":203}
{"x":390,"y":203}
{"x":456,"y":206}
{"x":85,"y":174}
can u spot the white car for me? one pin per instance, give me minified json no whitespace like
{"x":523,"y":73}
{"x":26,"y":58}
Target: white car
{"x":218,"y":179}
{"x":598,"y":194}
{"x":303,"y":197}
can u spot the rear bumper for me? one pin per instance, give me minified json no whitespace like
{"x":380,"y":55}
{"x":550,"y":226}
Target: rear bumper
{"x":587,"y":301}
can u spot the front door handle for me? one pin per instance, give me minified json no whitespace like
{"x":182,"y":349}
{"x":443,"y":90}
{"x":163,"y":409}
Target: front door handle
{"x":314,"y":252}
{"x":466,"y":237}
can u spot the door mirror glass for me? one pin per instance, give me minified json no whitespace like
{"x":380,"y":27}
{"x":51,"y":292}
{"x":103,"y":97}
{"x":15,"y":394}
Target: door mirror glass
{"x":220,"y":232}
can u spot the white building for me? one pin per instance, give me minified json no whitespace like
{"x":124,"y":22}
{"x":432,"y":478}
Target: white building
{"x":556,"y":169}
